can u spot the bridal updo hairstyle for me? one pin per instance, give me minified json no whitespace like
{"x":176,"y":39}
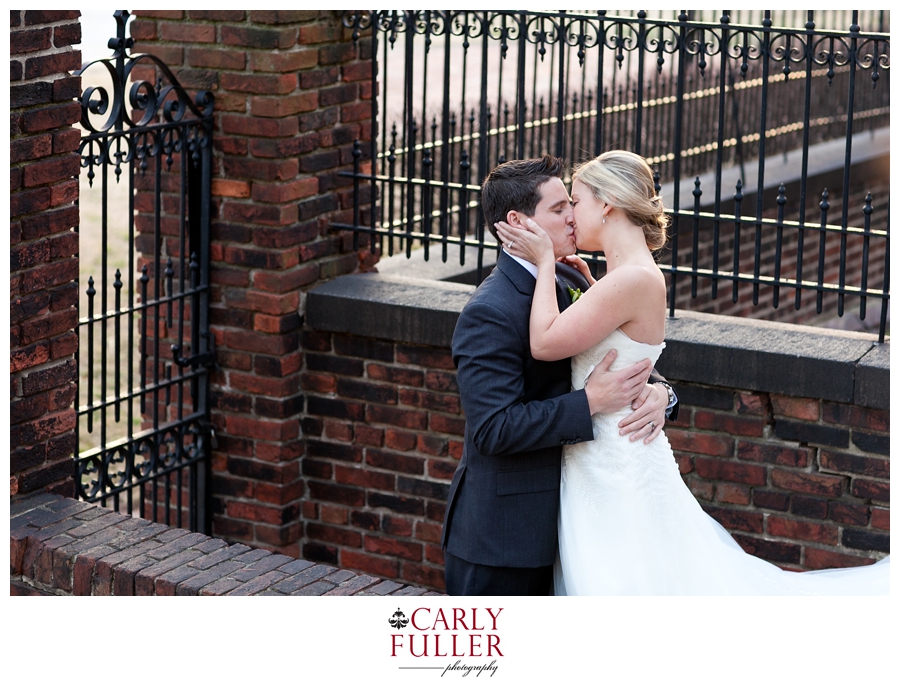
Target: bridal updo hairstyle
{"x":513,"y":186}
{"x":625,"y":181}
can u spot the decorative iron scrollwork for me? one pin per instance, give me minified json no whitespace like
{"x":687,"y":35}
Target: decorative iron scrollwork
{"x":585,"y":37}
{"x":393,"y":23}
{"x":358,"y":21}
{"x":504,"y":27}
{"x":135,"y":103}
{"x":166,"y":99}
{"x":542,"y":31}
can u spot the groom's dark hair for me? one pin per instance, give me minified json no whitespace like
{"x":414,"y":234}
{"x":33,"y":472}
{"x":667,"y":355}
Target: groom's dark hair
{"x":514,"y":185}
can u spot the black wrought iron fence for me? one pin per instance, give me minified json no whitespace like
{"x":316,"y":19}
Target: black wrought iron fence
{"x":726,"y":112}
{"x":145,"y":349}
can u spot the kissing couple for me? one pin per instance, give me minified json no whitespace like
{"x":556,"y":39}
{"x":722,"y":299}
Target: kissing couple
{"x":567,"y":484}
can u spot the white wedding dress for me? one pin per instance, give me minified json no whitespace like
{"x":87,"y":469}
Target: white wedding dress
{"x":628,"y":525}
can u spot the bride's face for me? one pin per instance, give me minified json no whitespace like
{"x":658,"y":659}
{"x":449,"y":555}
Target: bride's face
{"x":588,"y":213}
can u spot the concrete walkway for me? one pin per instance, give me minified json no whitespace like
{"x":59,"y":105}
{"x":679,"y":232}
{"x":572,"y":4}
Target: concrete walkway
{"x":60,"y":546}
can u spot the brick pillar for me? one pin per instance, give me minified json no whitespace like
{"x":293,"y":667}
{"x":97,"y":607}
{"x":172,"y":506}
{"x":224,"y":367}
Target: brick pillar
{"x":44,"y":167}
{"x":291,"y":96}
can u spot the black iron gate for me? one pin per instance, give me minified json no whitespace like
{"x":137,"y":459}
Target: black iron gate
{"x":145,"y":348}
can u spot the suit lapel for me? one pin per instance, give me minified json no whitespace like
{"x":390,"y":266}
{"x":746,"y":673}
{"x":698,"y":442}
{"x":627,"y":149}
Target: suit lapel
{"x":521,"y":279}
{"x":524,"y":282}
{"x":563,"y":299}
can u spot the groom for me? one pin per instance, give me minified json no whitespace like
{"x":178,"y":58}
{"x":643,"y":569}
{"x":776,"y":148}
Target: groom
{"x":499,"y":534}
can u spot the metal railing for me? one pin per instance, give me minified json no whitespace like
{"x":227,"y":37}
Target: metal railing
{"x":744,"y":124}
{"x":145,"y":349}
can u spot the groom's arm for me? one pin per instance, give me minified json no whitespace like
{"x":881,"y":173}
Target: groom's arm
{"x":488,"y":353}
{"x":671,"y":397}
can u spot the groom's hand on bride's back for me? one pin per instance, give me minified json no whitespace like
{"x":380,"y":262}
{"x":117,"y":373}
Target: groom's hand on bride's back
{"x":609,"y":391}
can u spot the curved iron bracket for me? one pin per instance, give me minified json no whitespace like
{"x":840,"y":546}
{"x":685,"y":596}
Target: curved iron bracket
{"x":208,"y":358}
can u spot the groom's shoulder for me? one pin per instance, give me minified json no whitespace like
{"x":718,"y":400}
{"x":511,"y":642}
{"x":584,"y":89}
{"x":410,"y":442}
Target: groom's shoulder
{"x":494,"y":291}
{"x":487,"y":294}
{"x":490,"y":302}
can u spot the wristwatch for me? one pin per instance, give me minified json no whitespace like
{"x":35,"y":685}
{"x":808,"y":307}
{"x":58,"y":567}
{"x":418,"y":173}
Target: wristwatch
{"x":671,"y":393}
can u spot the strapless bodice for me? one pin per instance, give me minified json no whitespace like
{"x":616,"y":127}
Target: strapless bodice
{"x":628,"y":351}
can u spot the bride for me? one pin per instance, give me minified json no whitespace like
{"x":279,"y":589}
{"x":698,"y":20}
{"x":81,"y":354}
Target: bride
{"x":628,"y":525}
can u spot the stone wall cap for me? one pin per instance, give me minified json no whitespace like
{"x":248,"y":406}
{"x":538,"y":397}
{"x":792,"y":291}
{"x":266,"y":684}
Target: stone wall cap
{"x":873,"y":378}
{"x":400,"y":290}
{"x":398,"y":308}
{"x":772,"y":357}
{"x":765,"y":336}
{"x":713,"y":349}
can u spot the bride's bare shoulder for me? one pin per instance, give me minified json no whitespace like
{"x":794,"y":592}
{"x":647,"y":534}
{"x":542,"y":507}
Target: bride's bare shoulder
{"x":648,"y":279}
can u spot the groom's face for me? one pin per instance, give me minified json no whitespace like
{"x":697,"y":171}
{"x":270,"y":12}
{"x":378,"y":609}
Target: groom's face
{"x":554,"y":214}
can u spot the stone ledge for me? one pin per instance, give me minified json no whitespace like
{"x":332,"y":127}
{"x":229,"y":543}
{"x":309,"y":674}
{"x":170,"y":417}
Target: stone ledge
{"x":397,"y":308}
{"x":873,"y":378}
{"x":715,"y":350}
{"x":773,"y":357}
{"x":60,"y":546}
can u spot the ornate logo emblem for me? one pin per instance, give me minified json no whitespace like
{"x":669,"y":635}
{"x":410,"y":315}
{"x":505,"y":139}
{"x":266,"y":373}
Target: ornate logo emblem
{"x":398,"y":620}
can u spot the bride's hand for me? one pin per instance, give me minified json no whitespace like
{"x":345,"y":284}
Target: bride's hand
{"x":580,"y":265}
{"x":531,"y":242}
{"x":648,"y":416}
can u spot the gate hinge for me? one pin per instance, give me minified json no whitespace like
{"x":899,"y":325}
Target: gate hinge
{"x":208,"y":358}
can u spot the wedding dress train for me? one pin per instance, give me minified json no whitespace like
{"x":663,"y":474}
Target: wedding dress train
{"x":628,"y":525}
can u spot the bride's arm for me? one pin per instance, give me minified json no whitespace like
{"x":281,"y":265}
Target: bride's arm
{"x":534,"y":245}
{"x":608,"y":304}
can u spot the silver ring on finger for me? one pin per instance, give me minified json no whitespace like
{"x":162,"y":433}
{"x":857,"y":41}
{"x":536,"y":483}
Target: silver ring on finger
{"x":510,"y":245}
{"x":652,"y":426}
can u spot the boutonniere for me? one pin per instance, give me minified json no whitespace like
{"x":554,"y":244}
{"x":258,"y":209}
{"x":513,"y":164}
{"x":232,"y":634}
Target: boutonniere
{"x":574,"y":293}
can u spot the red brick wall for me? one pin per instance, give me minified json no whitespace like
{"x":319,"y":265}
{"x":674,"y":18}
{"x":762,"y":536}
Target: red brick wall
{"x":384,"y":431}
{"x":803,"y":483}
{"x":291,"y":96}
{"x":44,"y":167}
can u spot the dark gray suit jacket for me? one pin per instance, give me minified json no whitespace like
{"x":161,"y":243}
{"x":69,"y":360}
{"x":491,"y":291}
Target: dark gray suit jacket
{"x":504,"y":497}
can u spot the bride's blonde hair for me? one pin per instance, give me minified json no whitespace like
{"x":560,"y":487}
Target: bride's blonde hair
{"x":625,"y":181}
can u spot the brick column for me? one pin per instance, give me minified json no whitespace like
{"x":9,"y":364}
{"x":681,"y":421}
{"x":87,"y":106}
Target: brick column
{"x":44,"y":167}
{"x":291,"y":97}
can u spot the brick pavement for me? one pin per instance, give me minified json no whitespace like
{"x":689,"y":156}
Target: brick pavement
{"x":60,"y":546}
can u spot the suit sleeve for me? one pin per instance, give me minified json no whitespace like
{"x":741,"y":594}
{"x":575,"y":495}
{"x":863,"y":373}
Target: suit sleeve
{"x":489,"y":355}
{"x":671,"y":412}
